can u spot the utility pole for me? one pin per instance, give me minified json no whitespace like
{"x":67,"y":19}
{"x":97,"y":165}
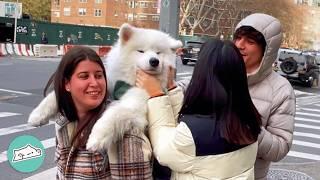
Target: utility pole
{"x":15,"y":21}
{"x":169,"y":17}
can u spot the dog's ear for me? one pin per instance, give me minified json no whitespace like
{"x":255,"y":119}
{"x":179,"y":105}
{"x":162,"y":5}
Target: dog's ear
{"x":175,"y":44}
{"x":125,"y":32}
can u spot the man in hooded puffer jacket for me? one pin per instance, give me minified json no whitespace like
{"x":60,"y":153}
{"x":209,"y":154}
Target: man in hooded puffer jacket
{"x":258,"y":37}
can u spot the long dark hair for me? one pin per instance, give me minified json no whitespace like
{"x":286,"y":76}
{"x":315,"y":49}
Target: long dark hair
{"x":219,"y":86}
{"x":66,"y":106}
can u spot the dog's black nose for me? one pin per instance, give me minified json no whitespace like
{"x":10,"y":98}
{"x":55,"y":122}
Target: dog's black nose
{"x":154,"y":62}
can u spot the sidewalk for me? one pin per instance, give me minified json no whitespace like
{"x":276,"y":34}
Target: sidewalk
{"x":295,"y":171}
{"x":33,"y":58}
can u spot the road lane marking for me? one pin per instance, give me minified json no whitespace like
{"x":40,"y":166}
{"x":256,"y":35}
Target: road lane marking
{"x":307,"y":144}
{"x":17,"y":92}
{"x":19,"y":128}
{"x":7,"y":114}
{"x":184,"y":73}
{"x":307,"y":119}
{"x":308,"y":114}
{"x":47,"y":174}
{"x":309,"y":109}
{"x":304,"y":155}
{"x":311,"y":135}
{"x":186,"y":77}
{"x":297,"y":92}
{"x":306,"y":126}
{"x":48,"y":143}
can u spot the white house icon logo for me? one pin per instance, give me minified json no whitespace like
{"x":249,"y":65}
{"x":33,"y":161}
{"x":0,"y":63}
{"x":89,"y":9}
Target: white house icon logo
{"x":25,"y":153}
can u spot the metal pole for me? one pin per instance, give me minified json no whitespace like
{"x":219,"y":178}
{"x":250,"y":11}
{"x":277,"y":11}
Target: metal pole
{"x":169,"y":17}
{"x":15,"y":22}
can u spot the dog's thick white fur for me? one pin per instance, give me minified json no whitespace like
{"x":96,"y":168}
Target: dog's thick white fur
{"x":135,"y":49}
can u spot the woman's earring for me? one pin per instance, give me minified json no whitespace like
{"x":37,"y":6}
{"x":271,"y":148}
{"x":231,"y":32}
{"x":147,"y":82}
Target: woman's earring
{"x":68,"y":89}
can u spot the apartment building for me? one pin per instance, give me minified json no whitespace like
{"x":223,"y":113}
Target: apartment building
{"x":113,"y":13}
{"x":10,"y":9}
{"x":308,"y":2}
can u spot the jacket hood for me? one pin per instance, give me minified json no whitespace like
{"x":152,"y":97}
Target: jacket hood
{"x":270,"y":28}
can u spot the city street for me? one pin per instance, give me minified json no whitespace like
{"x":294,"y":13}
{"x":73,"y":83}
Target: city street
{"x":22,"y":80}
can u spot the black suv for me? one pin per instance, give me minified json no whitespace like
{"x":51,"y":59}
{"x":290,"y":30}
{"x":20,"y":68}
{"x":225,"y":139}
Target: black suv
{"x":298,"y":66}
{"x":190,"y":51}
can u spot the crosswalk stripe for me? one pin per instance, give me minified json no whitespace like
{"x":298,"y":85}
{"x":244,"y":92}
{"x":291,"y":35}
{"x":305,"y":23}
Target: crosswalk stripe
{"x":304,"y":155}
{"x":47,"y":174}
{"x":18,"y":128}
{"x":7,"y":114}
{"x":186,"y":77}
{"x":317,"y":104}
{"x":309,"y":109}
{"x":297,"y":92}
{"x":307,"y":114}
{"x":48,"y":143}
{"x":307,"y":144}
{"x":310,"y":96}
{"x":307,"y":120}
{"x":306,"y":126}
{"x":184,"y":73}
{"x":311,"y":135}
{"x":17,"y":92}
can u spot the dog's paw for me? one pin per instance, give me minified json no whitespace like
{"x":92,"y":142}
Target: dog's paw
{"x":97,"y":141}
{"x":36,"y":119}
{"x":47,"y":109}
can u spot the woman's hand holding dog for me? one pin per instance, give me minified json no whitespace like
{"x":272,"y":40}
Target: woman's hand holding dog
{"x":149,"y":83}
{"x":171,"y":75}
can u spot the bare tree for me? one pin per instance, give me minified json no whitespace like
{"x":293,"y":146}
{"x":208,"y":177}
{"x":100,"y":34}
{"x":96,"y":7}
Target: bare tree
{"x":194,"y":12}
{"x":219,"y":17}
{"x":210,"y":17}
{"x":291,"y":16}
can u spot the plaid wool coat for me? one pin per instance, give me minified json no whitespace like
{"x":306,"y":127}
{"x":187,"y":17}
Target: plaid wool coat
{"x":129,"y":158}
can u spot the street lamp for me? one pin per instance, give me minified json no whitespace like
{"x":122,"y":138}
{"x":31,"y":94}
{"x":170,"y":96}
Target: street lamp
{"x":15,"y":22}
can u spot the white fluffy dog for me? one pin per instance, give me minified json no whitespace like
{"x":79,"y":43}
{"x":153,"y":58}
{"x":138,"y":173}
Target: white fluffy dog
{"x":150,"y":50}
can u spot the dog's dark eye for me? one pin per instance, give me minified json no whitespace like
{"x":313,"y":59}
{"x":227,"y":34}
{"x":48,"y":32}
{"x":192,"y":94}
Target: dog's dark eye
{"x":140,"y":51}
{"x":158,"y":53}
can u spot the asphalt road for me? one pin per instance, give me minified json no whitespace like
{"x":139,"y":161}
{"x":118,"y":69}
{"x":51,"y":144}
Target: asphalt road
{"x":21,"y":84}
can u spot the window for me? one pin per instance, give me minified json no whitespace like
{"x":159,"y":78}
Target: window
{"x":56,"y":14}
{"x":155,"y":18}
{"x":131,"y":4}
{"x":115,"y":13}
{"x":143,"y":4}
{"x":97,"y":12}
{"x":142,"y":17}
{"x":98,"y":1}
{"x":66,"y":11}
{"x":56,"y":2}
{"x":83,"y":1}
{"x":155,"y":5}
{"x":10,"y":9}
{"x":67,"y":0}
{"x":82,"y":11}
{"x":130,"y":17}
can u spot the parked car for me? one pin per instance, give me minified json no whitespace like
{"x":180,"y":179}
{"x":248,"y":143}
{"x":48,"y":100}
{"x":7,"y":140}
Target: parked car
{"x":295,"y":65}
{"x":191,"y":51}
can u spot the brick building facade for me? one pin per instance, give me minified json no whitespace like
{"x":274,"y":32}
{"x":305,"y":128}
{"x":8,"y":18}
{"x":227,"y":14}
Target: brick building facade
{"x":141,"y":13}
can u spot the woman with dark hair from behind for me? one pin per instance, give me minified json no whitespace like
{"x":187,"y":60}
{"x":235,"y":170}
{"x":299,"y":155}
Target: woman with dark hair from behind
{"x":218,"y":125}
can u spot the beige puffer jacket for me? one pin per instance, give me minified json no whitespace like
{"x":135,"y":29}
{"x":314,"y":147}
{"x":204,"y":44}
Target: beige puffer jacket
{"x":272,"y":95}
{"x":174,"y":146}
